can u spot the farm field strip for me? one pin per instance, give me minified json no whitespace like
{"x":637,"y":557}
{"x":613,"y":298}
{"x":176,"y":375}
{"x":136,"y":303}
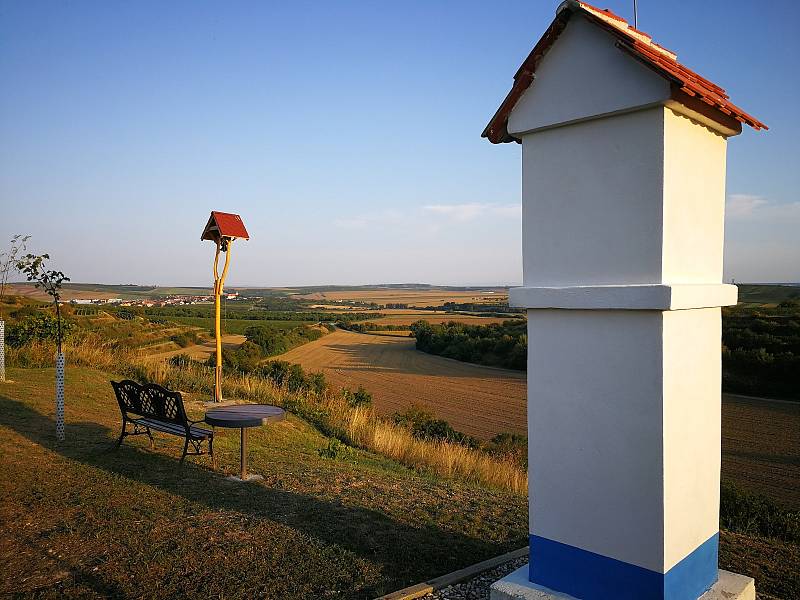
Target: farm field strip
{"x":436,"y":319}
{"x":410,"y":297}
{"x":234,"y":325}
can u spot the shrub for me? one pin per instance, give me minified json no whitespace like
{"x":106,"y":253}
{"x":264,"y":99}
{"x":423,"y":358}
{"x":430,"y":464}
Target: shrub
{"x":39,"y":327}
{"x":336,"y":450}
{"x":360,"y":397}
{"x":187,"y":338}
{"x":424,"y":425}
{"x":277,"y":341}
{"x":513,"y":446}
{"x":245,"y":358}
{"x":753,"y":514}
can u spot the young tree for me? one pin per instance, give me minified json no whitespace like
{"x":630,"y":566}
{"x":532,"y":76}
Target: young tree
{"x":34,"y":269}
{"x":8,"y":261}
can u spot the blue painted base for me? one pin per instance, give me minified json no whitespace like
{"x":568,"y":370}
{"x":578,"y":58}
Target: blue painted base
{"x":591,"y":576}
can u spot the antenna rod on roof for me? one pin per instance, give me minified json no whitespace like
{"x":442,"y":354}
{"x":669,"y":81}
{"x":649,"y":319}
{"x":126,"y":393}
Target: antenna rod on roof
{"x":635,"y":15}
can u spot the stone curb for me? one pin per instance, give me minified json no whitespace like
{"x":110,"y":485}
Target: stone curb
{"x":438,"y":583}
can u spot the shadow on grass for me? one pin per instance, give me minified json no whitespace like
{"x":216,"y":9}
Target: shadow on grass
{"x":408,"y":554}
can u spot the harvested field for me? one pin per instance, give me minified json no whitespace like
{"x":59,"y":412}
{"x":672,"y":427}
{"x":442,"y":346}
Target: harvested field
{"x":436,"y":318}
{"x":481,"y":401}
{"x":434,"y":297}
{"x":761,"y":446}
{"x":67,"y":294}
{"x":404,"y":333}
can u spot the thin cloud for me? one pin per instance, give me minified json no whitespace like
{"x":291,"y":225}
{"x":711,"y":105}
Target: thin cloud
{"x":740,"y":206}
{"x":472,"y":210}
{"x":389,"y":217}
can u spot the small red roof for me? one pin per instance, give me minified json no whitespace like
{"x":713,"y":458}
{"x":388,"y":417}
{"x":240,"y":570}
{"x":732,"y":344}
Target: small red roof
{"x":687,"y":86}
{"x":222,"y":224}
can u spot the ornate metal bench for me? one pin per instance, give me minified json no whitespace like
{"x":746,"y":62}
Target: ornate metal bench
{"x":152,"y":407}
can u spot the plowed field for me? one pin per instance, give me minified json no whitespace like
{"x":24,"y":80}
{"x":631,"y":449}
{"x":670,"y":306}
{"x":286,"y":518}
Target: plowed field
{"x":481,"y":401}
{"x":761,"y":446}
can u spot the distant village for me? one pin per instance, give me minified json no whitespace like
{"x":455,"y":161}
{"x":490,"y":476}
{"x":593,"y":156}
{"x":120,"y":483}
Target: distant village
{"x":173,"y":300}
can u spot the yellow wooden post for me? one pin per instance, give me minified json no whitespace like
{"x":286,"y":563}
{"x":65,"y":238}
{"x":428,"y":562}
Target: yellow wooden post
{"x":222,"y":228}
{"x":219,"y":284}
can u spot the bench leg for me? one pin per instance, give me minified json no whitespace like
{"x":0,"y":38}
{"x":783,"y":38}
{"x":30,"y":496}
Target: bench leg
{"x":185,"y":450}
{"x":152,"y":441}
{"x":122,"y":434}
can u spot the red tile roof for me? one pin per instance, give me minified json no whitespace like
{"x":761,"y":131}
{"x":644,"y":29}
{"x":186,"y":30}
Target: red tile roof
{"x":222,"y":224}
{"x":688,"y":87}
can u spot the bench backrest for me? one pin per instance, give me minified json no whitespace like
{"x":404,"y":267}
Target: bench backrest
{"x":150,"y":401}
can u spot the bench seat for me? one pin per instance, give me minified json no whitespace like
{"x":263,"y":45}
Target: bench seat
{"x":151,"y":407}
{"x":195,"y":433}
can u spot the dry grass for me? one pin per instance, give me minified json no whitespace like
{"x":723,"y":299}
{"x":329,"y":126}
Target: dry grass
{"x":86,"y":350}
{"x":444,"y":459}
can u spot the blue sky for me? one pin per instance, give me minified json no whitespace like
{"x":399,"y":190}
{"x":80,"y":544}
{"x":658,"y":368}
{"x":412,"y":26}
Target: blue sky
{"x":347,"y":135}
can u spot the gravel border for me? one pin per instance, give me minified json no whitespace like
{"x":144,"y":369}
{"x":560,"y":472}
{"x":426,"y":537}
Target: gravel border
{"x":477,"y":588}
{"x":459,"y":584}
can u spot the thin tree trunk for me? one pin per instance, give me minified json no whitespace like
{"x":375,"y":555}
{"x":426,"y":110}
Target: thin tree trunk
{"x":2,"y":350}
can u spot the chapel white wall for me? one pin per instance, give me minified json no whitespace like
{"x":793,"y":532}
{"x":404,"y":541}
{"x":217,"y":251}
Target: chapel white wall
{"x":584,"y":75}
{"x":694,"y":201}
{"x":595,"y":454}
{"x":592,"y":201}
{"x":692,"y":364}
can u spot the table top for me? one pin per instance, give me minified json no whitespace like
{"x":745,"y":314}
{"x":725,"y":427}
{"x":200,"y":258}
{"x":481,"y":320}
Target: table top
{"x":244,"y":415}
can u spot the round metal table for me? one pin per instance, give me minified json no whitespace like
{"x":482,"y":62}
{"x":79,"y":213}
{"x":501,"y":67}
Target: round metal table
{"x":243,"y":416}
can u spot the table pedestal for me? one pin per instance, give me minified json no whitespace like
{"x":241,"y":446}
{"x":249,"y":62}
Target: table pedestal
{"x":241,"y":417}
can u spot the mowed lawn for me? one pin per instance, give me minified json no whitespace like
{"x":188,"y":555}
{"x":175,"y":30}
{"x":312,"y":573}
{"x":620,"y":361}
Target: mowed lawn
{"x":82,"y":519}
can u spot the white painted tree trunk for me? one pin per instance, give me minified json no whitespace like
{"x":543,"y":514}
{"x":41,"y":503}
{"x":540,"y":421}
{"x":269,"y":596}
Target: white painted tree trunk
{"x":2,"y":350}
{"x":60,"y":396}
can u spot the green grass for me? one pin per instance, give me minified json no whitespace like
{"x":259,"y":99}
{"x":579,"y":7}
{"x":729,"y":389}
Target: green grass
{"x":83,"y":519}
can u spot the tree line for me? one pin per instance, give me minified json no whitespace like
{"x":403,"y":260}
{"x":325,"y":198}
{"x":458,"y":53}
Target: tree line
{"x":761,"y":350}
{"x":498,"y":345}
